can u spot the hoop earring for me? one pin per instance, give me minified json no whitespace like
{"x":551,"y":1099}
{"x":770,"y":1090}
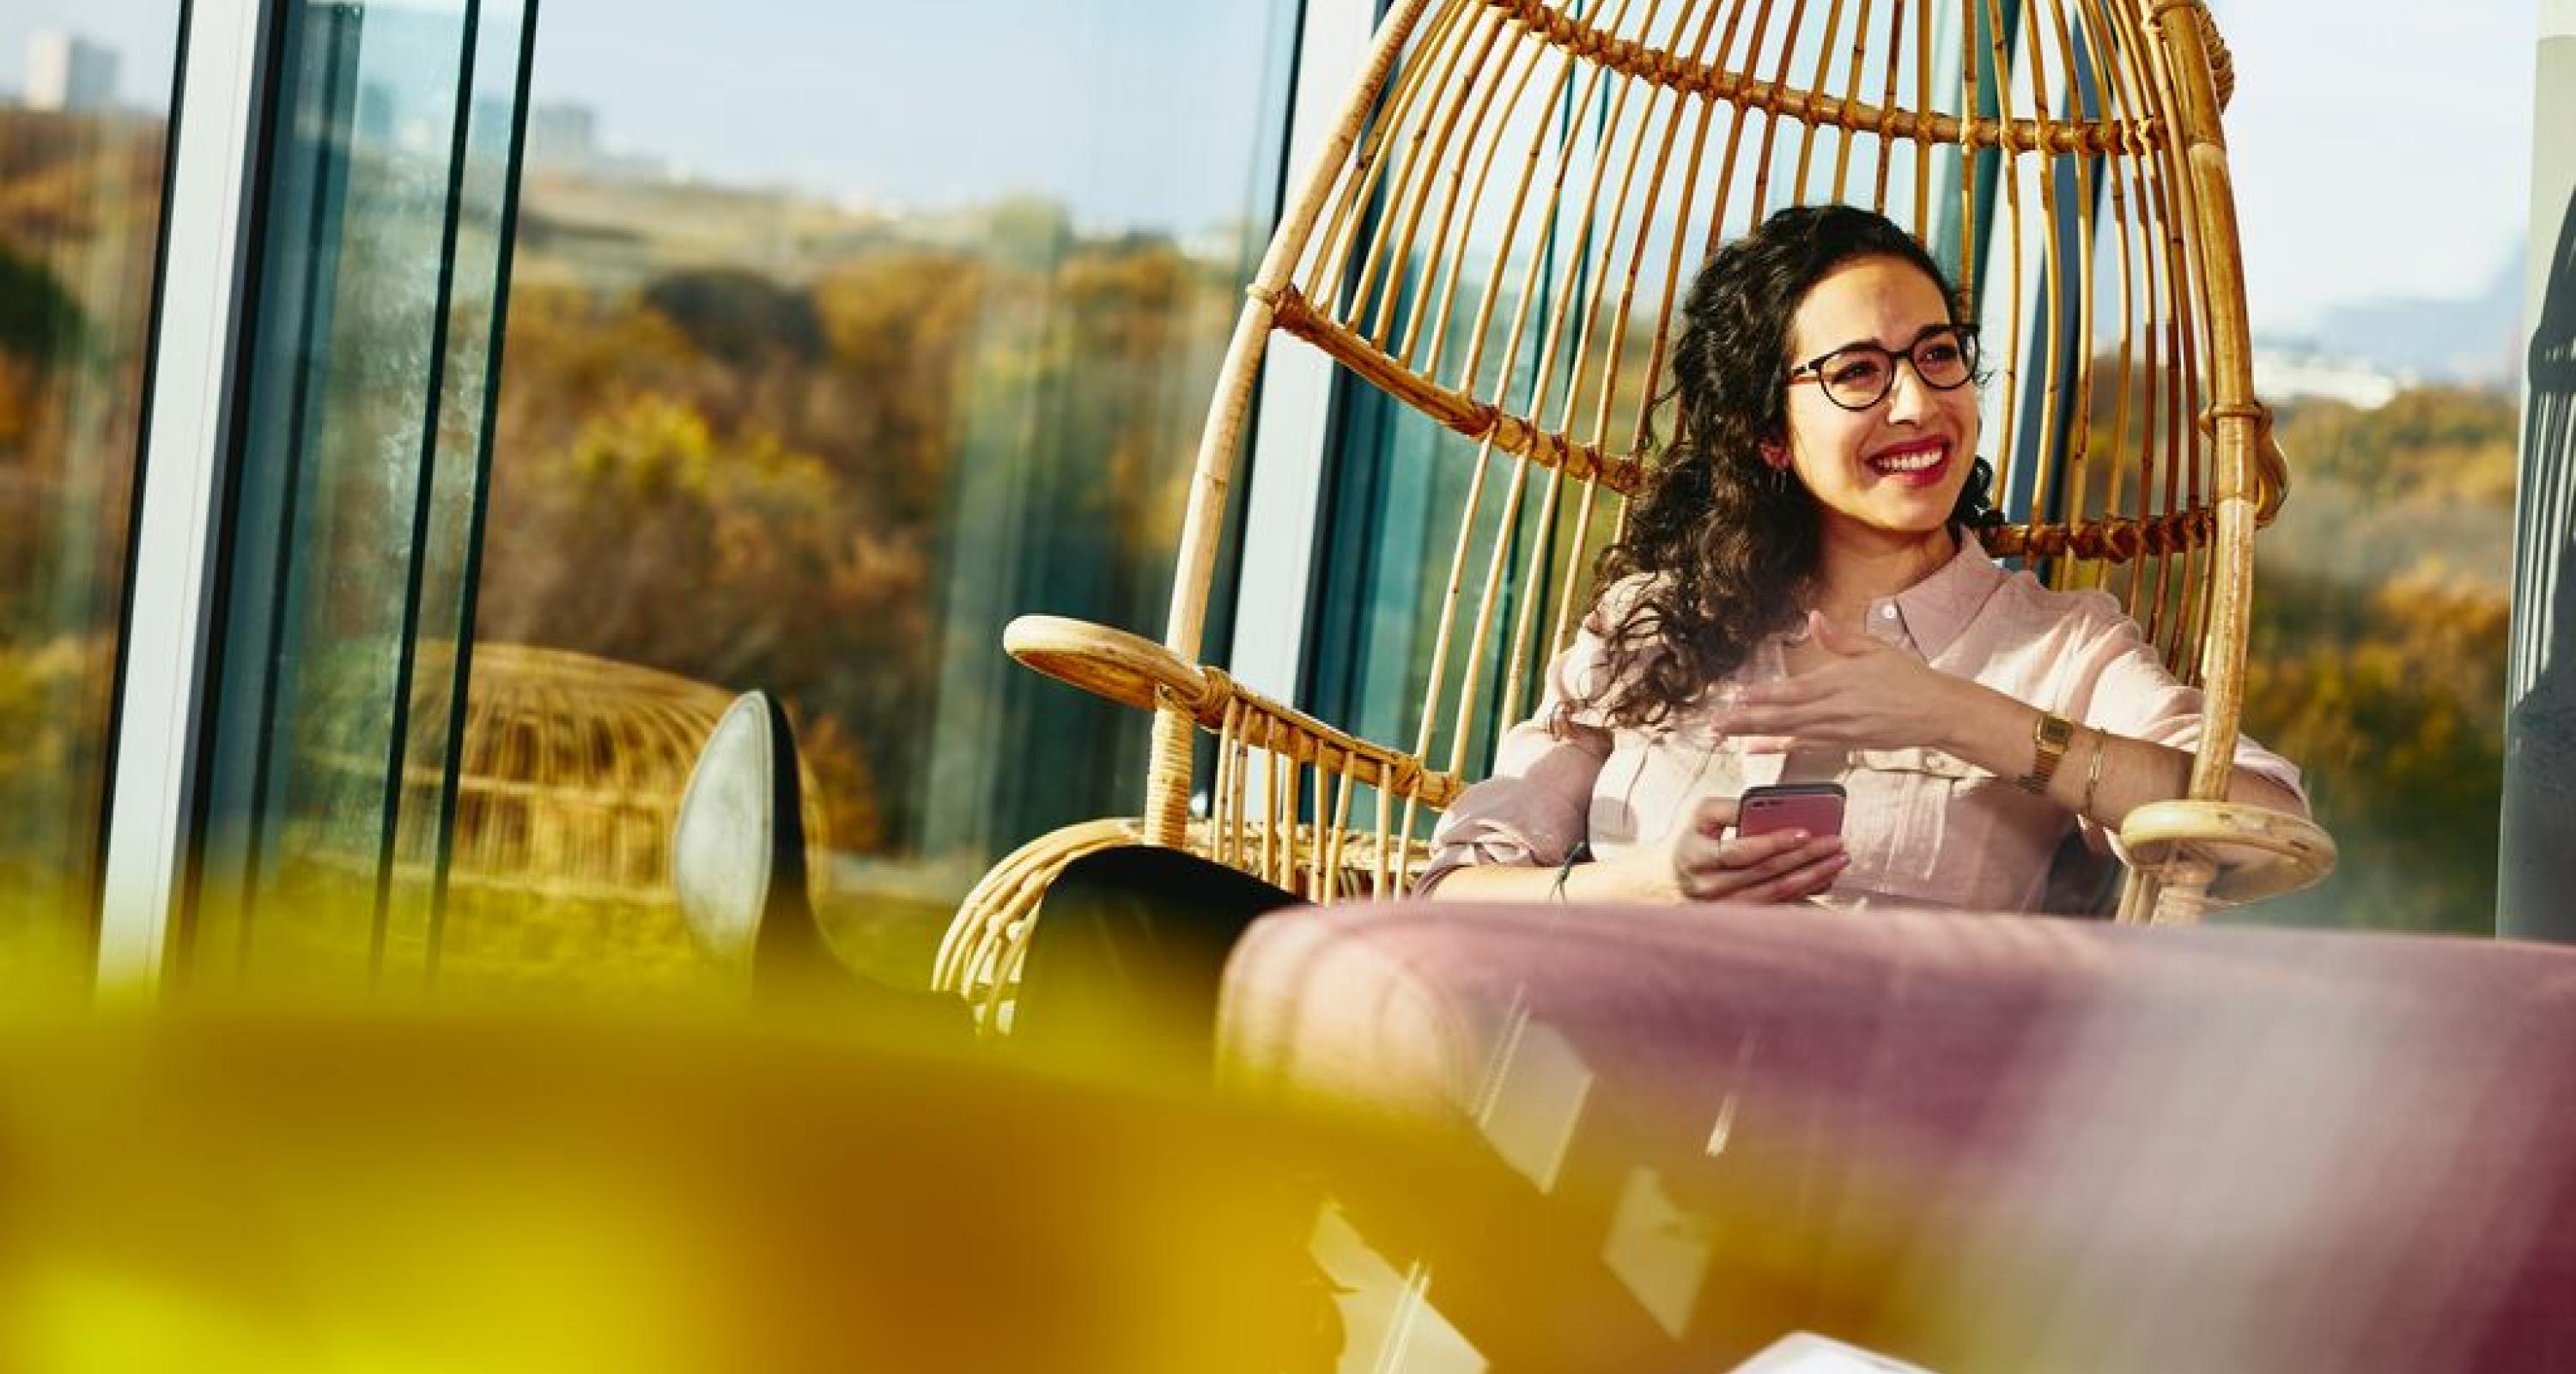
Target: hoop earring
{"x":1779,"y":479}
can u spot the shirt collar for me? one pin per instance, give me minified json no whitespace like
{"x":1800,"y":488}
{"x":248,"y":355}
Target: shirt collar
{"x":1936,"y":609}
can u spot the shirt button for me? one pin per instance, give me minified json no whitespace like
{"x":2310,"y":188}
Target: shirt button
{"x":1887,"y":612}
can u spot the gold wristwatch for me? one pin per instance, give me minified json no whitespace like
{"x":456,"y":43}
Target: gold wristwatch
{"x":2048,"y":741}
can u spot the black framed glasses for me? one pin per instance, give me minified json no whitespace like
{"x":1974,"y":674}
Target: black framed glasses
{"x":1859,"y":376}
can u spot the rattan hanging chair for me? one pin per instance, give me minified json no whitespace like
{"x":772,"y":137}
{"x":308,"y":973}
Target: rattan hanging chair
{"x":1496,"y":236}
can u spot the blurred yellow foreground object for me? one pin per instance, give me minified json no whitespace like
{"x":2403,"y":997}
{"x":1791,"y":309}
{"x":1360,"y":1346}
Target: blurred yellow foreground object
{"x":370,"y":1191}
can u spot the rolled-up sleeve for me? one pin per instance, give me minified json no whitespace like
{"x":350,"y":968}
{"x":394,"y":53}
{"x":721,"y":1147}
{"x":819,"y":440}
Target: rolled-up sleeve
{"x":1534,"y":809}
{"x":2123,"y":687}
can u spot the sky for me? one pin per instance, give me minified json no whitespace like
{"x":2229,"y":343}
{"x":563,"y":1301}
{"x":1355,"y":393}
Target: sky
{"x":902,"y":104}
{"x":2380,"y":148}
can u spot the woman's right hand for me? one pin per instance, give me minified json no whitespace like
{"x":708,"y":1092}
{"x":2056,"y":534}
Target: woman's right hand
{"x":1704,"y":860}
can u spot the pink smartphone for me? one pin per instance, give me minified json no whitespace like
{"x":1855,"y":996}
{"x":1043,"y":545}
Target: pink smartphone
{"x":1815,"y":807}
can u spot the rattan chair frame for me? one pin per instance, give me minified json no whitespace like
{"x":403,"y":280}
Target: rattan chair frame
{"x":1469,"y":249}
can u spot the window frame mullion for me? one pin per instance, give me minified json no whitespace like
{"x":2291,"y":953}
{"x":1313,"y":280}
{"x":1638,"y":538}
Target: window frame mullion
{"x":167,"y":639}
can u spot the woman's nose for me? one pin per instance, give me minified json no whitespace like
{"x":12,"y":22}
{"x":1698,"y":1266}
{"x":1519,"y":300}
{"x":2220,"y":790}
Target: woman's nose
{"x":1907,"y":396}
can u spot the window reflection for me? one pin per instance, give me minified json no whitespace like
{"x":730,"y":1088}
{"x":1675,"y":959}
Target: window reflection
{"x":83,"y":134}
{"x":837,"y":338}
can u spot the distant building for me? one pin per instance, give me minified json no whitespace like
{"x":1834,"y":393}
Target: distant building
{"x":489,"y":134}
{"x":68,"y":72}
{"x":376,"y":115}
{"x":403,"y":64}
{"x":563,"y":137}
{"x":2282,"y":374}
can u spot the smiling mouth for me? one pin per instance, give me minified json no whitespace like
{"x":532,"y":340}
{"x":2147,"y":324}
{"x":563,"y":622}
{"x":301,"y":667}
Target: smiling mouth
{"x":1912,"y":459}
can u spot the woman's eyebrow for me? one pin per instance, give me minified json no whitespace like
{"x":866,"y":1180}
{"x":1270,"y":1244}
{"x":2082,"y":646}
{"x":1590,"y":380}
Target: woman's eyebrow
{"x":1920,"y":335}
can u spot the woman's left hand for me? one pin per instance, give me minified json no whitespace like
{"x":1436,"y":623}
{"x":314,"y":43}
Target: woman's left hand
{"x":1867,"y":695}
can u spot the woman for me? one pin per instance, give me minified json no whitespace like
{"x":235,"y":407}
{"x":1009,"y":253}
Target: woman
{"x":1800,"y":596}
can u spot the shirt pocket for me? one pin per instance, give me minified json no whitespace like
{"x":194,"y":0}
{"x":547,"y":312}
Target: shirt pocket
{"x":1922,"y":821}
{"x":1960,"y":834}
{"x":1654,"y":777}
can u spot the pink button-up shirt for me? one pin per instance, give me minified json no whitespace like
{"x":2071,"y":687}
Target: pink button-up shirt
{"x":1923,"y":828}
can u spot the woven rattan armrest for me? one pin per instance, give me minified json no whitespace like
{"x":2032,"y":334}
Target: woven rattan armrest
{"x":2257,"y":852}
{"x":1132,"y":669}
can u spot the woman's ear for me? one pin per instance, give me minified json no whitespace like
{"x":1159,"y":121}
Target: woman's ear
{"x":1775,"y":454}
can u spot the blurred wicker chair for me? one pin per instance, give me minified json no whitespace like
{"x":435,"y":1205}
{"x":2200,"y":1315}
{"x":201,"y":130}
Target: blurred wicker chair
{"x":1513,"y":197}
{"x":740,"y":856}
{"x":571,"y":796}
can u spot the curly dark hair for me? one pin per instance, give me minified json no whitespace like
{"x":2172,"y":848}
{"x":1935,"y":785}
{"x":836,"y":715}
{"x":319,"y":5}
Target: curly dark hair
{"x":1723,"y":553}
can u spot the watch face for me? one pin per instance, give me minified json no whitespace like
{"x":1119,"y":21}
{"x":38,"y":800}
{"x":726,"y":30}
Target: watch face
{"x":2048,"y":745}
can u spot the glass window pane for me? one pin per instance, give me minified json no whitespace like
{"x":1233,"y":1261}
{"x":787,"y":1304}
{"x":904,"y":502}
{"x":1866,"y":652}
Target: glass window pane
{"x":2386,"y":599}
{"x":838,"y":336}
{"x":350,"y":532}
{"x":84,"y":130}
